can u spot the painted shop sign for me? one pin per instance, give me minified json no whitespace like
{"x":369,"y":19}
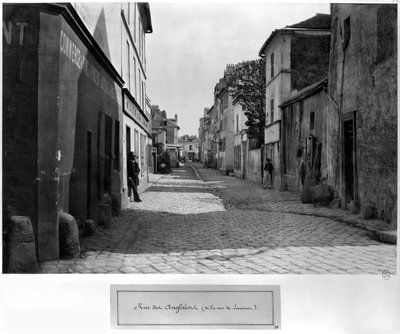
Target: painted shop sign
{"x":132,"y":110}
{"x":14,"y":32}
{"x":69,"y":49}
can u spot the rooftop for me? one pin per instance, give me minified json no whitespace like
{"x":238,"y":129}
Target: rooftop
{"x":308,"y":91}
{"x":317,"y":22}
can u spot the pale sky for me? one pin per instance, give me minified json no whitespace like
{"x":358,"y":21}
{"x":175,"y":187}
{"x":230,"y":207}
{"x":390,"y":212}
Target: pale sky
{"x":191,"y":44}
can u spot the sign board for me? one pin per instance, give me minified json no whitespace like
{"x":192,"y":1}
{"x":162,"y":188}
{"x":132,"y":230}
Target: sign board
{"x":185,"y":306}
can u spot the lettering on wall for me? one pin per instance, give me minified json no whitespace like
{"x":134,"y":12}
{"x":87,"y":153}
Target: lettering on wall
{"x":78,"y":58}
{"x":136,"y":114}
{"x":14,"y":32}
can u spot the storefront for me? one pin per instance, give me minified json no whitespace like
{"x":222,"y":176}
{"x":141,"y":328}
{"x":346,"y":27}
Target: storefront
{"x":135,"y":139}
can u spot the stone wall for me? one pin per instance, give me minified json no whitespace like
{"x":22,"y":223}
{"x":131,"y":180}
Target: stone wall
{"x":297,"y":130}
{"x":254,"y":166}
{"x":309,"y":59}
{"x":364,"y":70}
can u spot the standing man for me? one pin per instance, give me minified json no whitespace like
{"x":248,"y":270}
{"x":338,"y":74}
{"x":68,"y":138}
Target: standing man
{"x":268,"y":168}
{"x":133,"y":177}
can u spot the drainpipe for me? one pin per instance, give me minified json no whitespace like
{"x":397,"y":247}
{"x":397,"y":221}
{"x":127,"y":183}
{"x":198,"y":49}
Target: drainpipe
{"x":340,"y":148}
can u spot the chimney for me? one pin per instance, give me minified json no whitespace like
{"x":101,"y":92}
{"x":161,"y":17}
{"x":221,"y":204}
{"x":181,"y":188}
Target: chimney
{"x":176,"y":117}
{"x":229,"y":68}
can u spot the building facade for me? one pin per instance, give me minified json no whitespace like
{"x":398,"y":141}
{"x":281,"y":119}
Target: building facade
{"x":171,"y":125}
{"x":189,"y":148}
{"x":165,"y":135}
{"x":304,"y":136}
{"x":240,"y":140}
{"x":120,"y":30}
{"x":296,"y":57}
{"x":203,"y":135}
{"x":362,"y":108}
{"x":61,"y":92}
{"x":224,"y":109}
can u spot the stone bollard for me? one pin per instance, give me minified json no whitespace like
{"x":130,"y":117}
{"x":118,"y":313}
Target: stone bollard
{"x":115,"y":206}
{"x":105,"y":211}
{"x":306,"y":194}
{"x":21,"y":251}
{"x":89,"y":227}
{"x":335,"y":204}
{"x":369,"y":212}
{"x":68,"y":236}
{"x":354,"y":207}
{"x":321,"y":194}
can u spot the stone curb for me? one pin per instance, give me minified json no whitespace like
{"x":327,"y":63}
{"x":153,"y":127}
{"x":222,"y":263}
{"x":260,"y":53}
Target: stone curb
{"x":196,"y":172}
{"x":389,"y":237}
{"x":353,"y":220}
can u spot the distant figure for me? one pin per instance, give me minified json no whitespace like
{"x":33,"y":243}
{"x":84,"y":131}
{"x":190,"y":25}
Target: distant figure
{"x":133,"y":177}
{"x":205,"y":164}
{"x":268,"y":168}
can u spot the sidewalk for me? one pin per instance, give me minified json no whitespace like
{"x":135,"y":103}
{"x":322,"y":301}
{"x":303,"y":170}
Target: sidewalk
{"x":144,"y":184}
{"x":244,"y":194}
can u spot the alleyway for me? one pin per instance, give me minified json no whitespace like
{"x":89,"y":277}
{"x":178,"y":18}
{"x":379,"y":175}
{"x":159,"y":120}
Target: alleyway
{"x":196,"y":220}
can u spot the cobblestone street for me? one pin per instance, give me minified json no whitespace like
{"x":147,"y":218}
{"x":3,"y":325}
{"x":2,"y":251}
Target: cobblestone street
{"x":196,"y":220}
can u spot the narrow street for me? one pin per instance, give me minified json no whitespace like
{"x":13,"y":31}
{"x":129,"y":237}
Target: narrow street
{"x":197,"y":221}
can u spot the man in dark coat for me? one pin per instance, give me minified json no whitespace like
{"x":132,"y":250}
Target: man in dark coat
{"x":133,"y":177}
{"x":268,"y":168}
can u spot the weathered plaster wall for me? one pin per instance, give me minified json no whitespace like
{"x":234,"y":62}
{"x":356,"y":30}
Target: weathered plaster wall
{"x":20,"y":119}
{"x":254,"y":165}
{"x":296,"y":130}
{"x":88,"y":97}
{"x":369,"y":87}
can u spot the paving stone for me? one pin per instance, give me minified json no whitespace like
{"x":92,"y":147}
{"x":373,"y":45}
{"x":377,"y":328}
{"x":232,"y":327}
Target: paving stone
{"x":226,"y":225}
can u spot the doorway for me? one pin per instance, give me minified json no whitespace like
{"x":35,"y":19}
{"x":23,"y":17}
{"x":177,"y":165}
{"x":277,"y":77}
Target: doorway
{"x":349,"y":163}
{"x":108,"y":153}
{"x":244,"y":150}
{"x":88,"y":174}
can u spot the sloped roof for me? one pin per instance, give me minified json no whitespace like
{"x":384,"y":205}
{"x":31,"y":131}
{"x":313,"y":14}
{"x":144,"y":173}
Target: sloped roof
{"x":171,"y":123}
{"x":319,"y":21}
{"x":306,"y":92}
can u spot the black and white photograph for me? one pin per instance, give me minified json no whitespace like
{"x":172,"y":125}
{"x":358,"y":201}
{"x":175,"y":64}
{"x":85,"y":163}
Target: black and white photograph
{"x":190,"y":142}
